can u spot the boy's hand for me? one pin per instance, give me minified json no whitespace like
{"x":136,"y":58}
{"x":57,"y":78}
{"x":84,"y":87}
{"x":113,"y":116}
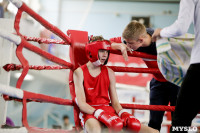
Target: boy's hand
{"x":123,"y":48}
{"x":156,"y":34}
{"x":129,"y":121}
{"x":110,"y":120}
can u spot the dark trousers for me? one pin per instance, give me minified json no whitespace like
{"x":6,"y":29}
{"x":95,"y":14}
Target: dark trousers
{"x":161,"y":93}
{"x":188,"y":101}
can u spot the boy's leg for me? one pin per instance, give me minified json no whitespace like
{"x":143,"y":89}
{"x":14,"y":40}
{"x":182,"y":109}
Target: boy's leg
{"x":93,"y":126}
{"x":146,"y":129}
{"x":174,"y":89}
{"x":159,"y":95}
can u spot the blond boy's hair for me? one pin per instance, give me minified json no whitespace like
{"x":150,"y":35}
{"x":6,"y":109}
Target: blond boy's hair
{"x":134,"y":30}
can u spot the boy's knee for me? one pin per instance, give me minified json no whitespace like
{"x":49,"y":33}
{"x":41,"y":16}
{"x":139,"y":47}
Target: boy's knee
{"x":94,"y":129}
{"x":93,"y":126}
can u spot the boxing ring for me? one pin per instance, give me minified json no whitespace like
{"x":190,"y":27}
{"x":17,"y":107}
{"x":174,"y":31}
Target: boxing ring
{"x":76,"y":40}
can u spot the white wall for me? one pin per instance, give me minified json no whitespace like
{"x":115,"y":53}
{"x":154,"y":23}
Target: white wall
{"x":105,"y":17}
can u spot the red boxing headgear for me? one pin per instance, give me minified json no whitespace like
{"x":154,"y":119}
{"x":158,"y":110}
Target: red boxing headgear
{"x":92,"y":50}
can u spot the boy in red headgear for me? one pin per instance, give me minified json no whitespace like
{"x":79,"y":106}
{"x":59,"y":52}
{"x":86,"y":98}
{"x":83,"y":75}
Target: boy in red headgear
{"x":95,"y":89}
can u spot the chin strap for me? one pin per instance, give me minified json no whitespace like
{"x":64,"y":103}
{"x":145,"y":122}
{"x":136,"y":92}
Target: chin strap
{"x":97,"y":63}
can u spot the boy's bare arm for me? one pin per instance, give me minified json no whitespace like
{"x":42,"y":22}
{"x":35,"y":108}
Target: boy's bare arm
{"x":80,"y":93}
{"x":112,"y":91}
{"x":123,"y":48}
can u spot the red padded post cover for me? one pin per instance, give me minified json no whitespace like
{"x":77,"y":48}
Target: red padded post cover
{"x":78,"y":58}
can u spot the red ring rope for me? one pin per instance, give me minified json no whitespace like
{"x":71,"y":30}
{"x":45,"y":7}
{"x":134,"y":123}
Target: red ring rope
{"x":13,"y":67}
{"x":44,"y":40}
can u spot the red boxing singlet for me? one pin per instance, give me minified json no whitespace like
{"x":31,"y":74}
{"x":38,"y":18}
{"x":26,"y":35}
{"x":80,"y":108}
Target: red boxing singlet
{"x":96,"y":88}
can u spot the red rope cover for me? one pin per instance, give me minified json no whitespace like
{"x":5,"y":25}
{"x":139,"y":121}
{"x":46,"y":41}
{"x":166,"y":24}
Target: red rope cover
{"x":132,"y":69}
{"x":136,"y":54}
{"x":149,"y":107}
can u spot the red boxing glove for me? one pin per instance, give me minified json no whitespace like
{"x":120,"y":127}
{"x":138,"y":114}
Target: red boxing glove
{"x":129,"y":121}
{"x":110,"y":120}
{"x":116,"y":40}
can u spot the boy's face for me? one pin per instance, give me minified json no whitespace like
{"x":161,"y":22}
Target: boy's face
{"x":133,"y":44}
{"x":66,"y":121}
{"x":103,"y":55}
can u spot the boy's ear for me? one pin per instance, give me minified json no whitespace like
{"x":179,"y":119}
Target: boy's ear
{"x":140,"y":40}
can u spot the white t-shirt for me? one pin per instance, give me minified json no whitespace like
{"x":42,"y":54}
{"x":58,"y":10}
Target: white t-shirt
{"x":189,"y":12}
